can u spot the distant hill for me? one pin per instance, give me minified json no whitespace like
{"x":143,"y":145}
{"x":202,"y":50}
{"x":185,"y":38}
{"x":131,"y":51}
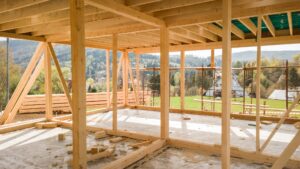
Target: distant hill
{"x":23,"y":50}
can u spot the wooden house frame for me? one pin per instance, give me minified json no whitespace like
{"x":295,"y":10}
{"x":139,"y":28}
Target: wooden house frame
{"x":146,"y":26}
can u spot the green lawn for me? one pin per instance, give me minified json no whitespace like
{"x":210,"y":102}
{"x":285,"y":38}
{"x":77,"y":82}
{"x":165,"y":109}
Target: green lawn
{"x":192,"y":104}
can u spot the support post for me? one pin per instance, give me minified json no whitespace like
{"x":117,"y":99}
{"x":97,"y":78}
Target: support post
{"x":182,"y":79}
{"x":78,"y":84}
{"x":48,"y":84}
{"x":258,"y":72}
{"x":226,"y":84}
{"x":107,"y":79}
{"x":212,"y":58}
{"x":114,"y":81}
{"x":164,"y":82}
{"x":125,"y":77}
{"x":137,"y":69}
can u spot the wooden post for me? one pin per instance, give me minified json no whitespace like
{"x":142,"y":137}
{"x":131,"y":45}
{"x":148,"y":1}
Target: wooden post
{"x":258,"y":72}
{"x":107,"y":79}
{"x":212,"y":58}
{"x":78,"y":84}
{"x":125,"y":77}
{"x":137,"y":69}
{"x":164,"y":82}
{"x":226,"y":84}
{"x":48,"y":84}
{"x":182,"y":79}
{"x":114,"y":81}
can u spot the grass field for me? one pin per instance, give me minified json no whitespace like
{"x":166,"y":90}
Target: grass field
{"x":192,"y":104}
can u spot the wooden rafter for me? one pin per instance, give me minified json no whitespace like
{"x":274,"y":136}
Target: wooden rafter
{"x":290,"y":20}
{"x":8,"y":5}
{"x":188,"y":35}
{"x":235,"y":30}
{"x":249,"y":25}
{"x":269,"y":25}
{"x":125,"y":11}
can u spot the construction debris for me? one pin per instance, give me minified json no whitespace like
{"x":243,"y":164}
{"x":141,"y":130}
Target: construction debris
{"x":140,"y":144}
{"x":297,"y":125}
{"x":266,"y":122}
{"x":100,"y":134}
{"x":97,"y":149}
{"x":61,"y":137}
{"x":116,"y":139}
{"x":43,"y":125}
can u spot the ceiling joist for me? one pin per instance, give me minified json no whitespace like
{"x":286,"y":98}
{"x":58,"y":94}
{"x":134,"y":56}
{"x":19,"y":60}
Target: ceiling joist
{"x":269,"y":25}
{"x":125,"y":11}
{"x":249,"y":25}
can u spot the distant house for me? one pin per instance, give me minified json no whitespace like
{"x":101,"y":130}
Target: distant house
{"x":281,"y":95}
{"x":237,"y":90}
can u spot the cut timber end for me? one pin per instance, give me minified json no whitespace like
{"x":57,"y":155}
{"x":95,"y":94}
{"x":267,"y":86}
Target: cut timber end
{"x":116,"y":139}
{"x":266,"y":122}
{"x":61,"y":137}
{"x":297,"y":125}
{"x":100,"y":134}
{"x":46,"y":125}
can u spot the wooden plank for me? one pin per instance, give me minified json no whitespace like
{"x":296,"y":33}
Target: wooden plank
{"x":182,"y":79}
{"x":78,"y":84}
{"x":48,"y":83}
{"x":269,"y":25}
{"x":8,"y":5}
{"x":125,"y":11}
{"x":226,"y":84}
{"x":129,"y":159}
{"x":287,"y":153}
{"x":60,"y":74}
{"x":125,"y":77}
{"x":19,"y":36}
{"x":132,"y":81}
{"x":257,"y":90}
{"x":290,"y":20}
{"x":280,"y":122}
{"x":25,"y":91}
{"x":114,"y":81}
{"x":164,"y":82}
{"x":249,"y":25}
{"x":107,"y":78}
{"x":19,"y":126}
{"x":22,"y":83}
{"x":137,"y":69}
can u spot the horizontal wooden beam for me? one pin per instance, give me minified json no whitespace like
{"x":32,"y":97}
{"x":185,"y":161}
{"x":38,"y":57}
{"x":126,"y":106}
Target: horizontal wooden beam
{"x":19,"y":36}
{"x":235,"y":43}
{"x":125,"y":11}
{"x":9,"y":5}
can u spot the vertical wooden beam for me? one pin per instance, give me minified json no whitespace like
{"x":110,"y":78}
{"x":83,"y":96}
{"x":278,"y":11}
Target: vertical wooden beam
{"x":226,"y":83}
{"x":125,"y":77}
{"x":132,"y":81}
{"x":137,"y":69}
{"x":60,"y":74}
{"x":115,"y":81}
{"x":25,"y":77}
{"x":164,"y":82}
{"x":288,"y":152}
{"x":48,"y":84}
{"x":78,"y":84}
{"x":182,"y":79}
{"x":107,"y":79}
{"x":212,"y":58}
{"x":258,"y":72}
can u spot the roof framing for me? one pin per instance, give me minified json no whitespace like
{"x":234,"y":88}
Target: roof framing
{"x":191,"y":22}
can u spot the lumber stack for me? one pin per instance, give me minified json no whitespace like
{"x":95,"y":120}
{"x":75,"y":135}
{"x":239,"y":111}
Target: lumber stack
{"x":36,"y":103}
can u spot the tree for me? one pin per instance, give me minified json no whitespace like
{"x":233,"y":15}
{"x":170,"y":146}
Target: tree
{"x":294,"y":78}
{"x":154,"y":83}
